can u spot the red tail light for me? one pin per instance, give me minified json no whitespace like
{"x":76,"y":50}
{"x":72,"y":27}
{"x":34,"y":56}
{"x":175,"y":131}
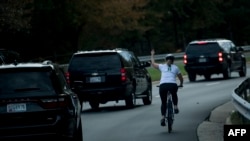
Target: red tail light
{"x":185,"y":59}
{"x":51,"y":103}
{"x":220,"y":55}
{"x":67,"y":77}
{"x":123,"y":75}
{"x":202,"y":42}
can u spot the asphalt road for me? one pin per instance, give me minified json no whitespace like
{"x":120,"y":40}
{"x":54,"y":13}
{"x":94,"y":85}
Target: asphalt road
{"x":113,"y":122}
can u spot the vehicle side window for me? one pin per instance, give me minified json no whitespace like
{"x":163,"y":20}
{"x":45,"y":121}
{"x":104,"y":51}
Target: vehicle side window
{"x":233,"y":47}
{"x":126,"y":59}
{"x":62,"y":79}
{"x":226,"y":46}
{"x":135,"y":60}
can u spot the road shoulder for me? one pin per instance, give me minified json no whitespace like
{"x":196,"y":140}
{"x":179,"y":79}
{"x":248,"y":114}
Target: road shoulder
{"x":212,"y":129}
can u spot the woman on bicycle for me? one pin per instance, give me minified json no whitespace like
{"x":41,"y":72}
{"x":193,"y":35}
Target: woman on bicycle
{"x":169,"y":72}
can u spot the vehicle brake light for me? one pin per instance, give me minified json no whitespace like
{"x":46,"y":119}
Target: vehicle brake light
{"x":123,"y":75}
{"x":51,"y":103}
{"x":201,"y":42}
{"x":220,"y":55}
{"x":67,"y":75}
{"x":185,"y":59}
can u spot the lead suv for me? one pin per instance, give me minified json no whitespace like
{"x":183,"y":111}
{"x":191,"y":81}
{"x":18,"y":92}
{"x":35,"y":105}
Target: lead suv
{"x":35,"y":100}
{"x":213,"y":56}
{"x":100,"y":76}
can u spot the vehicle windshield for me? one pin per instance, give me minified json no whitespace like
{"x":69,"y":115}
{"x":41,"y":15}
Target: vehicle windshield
{"x":206,"y":48}
{"x":97,"y":62}
{"x":25,"y":82}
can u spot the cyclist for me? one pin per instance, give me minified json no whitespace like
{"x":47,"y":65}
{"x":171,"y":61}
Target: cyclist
{"x":169,"y":72}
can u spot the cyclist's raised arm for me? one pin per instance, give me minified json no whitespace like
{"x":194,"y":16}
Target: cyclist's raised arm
{"x":155,"y":65}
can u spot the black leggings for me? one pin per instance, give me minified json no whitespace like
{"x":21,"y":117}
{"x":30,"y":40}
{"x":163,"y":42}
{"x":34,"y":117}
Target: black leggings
{"x":164,"y":88}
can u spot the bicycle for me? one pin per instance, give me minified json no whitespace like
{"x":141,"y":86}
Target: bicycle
{"x":169,"y":118}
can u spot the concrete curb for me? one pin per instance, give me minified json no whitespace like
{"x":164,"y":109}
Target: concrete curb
{"x":212,"y":129}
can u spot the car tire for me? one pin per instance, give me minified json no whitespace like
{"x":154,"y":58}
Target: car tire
{"x":94,"y":104}
{"x":131,"y":100}
{"x":78,"y":135}
{"x":191,"y":76}
{"x":227,"y":73}
{"x":243,"y":70}
{"x":148,"y":99}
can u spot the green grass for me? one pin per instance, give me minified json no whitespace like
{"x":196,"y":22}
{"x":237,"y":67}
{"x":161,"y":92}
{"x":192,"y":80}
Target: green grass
{"x":237,"y":118}
{"x":248,"y":58}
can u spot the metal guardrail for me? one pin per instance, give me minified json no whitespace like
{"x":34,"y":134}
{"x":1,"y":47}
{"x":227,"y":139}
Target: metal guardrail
{"x":161,"y":56}
{"x":241,"y":98}
{"x":246,"y":48}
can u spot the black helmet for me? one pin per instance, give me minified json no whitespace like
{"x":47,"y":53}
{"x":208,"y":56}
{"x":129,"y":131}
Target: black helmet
{"x":170,"y":57}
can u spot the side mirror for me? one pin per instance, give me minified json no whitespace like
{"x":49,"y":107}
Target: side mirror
{"x":145,"y":64}
{"x":240,"y":49}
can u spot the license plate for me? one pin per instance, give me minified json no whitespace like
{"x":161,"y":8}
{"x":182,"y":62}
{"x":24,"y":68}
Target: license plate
{"x":19,"y":107}
{"x":202,"y":60}
{"x":96,"y":79}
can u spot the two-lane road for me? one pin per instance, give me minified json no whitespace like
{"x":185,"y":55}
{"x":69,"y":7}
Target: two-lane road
{"x":113,"y":122}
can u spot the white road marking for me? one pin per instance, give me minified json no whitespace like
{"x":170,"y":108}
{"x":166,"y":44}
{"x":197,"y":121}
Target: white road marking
{"x":210,"y":84}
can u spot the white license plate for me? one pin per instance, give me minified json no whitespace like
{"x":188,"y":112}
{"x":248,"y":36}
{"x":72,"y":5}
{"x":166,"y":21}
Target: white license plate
{"x":96,"y":79}
{"x":202,"y":60}
{"x":18,"y":107}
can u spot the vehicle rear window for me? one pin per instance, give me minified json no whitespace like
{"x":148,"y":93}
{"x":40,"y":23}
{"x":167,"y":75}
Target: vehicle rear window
{"x":25,"y":81}
{"x":203,"y":48}
{"x":97,"y":62}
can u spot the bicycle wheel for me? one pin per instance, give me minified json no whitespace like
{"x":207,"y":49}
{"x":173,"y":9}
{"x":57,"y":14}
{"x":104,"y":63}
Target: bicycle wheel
{"x":170,"y":117}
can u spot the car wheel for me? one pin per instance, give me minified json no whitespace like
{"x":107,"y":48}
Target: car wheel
{"x":191,"y":76}
{"x":207,"y":76}
{"x":227,"y":73}
{"x":94,"y":104}
{"x":78,"y":135}
{"x":131,"y":100}
{"x":243,"y":70}
{"x":148,"y":99}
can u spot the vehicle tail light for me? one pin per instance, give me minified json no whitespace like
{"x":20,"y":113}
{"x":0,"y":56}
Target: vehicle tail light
{"x":202,"y":42}
{"x":220,"y":57}
{"x":51,"y":103}
{"x":185,"y":59}
{"x":67,"y":75}
{"x":123,"y":75}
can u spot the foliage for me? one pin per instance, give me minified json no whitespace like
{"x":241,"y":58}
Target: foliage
{"x":57,"y":28}
{"x":15,"y":15}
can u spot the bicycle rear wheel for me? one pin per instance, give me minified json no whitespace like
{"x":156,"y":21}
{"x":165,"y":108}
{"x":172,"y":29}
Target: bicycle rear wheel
{"x":170,"y":117}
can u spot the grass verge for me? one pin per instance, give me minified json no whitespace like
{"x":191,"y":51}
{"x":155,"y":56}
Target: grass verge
{"x":237,"y":119}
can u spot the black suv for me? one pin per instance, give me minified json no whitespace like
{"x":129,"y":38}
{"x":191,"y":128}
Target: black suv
{"x":109,"y":75}
{"x":35,"y":99}
{"x":214,"y":56}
